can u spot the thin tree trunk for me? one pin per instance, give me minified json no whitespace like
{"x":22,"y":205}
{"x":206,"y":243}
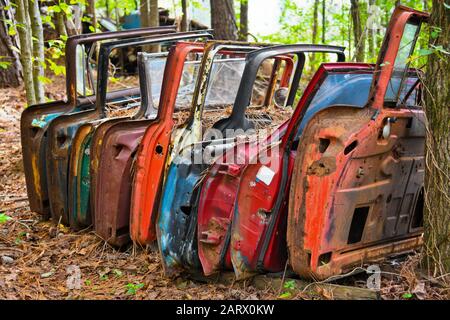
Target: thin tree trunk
{"x":73,"y":23}
{"x":38,"y":50}
{"x":154,"y":21}
{"x":349,"y":35}
{"x":184,"y":18}
{"x":144,"y":13}
{"x":243,"y":21}
{"x":315,"y":21}
{"x":371,"y":34}
{"x":25,"y":50}
{"x":223,"y":20}
{"x":116,"y":12}
{"x":324,"y":22}
{"x":91,"y":11}
{"x":357,"y":31}
{"x":314,"y":31}
{"x":437,"y":174}
{"x":324,"y":26}
{"x":108,"y":15}
{"x":11,"y":75}
{"x":60,"y":25}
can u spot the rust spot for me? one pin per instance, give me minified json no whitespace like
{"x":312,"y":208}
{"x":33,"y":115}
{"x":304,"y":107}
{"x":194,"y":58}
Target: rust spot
{"x":322,"y":167}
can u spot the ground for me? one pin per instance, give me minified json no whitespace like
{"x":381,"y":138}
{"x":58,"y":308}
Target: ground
{"x":40,"y":260}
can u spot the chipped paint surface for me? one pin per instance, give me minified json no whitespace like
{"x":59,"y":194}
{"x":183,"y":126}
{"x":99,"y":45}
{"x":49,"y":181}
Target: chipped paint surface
{"x":154,"y":148}
{"x":177,"y":216}
{"x":33,"y":129}
{"x":79,"y":184}
{"x":61,"y":134}
{"x":362,"y":209}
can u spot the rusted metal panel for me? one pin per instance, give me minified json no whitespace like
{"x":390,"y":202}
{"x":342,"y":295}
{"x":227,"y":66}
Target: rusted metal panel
{"x":216,"y":204}
{"x":354,"y":199}
{"x":113,"y":185}
{"x":62,"y":130}
{"x":212,"y":255}
{"x":153,"y":150}
{"x":80,"y":210}
{"x":84,"y":154}
{"x":178,"y":210}
{"x":177,"y":219}
{"x":35,"y":119}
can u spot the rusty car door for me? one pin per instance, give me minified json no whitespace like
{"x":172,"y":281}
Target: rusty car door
{"x":120,"y":142}
{"x":358,"y":176}
{"x":79,"y":178}
{"x":214,"y":221}
{"x":35,"y":119}
{"x":178,"y":213}
{"x":151,"y":157}
{"x":62,"y":130}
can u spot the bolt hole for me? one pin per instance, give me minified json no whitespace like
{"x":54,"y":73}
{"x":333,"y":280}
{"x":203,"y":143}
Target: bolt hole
{"x":323,"y":144}
{"x":409,"y":123}
{"x":324,"y":258}
{"x":61,"y":140}
{"x":350,"y":147}
{"x":159,"y":149}
{"x":34,"y":131}
{"x":389,"y":198}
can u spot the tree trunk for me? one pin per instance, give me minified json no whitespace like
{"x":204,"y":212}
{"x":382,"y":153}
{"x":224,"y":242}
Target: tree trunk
{"x":184,"y":18}
{"x":437,"y":175}
{"x":315,"y":21}
{"x":73,"y":23}
{"x":91,"y":12}
{"x":357,"y":31}
{"x":25,"y":49}
{"x":243,"y":21}
{"x":144,"y":13}
{"x":324,"y":22}
{"x":371,"y":33}
{"x":10,"y":75}
{"x":154,"y":21}
{"x":349,"y":35}
{"x":38,"y":50}
{"x":223,"y":20}
{"x":60,"y":24}
{"x":314,"y":31}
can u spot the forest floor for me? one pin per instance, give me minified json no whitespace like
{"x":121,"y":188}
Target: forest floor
{"x":38,"y":258}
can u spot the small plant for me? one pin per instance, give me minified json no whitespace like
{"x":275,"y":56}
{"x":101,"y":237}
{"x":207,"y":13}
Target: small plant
{"x":133,"y":288}
{"x":289,"y":284}
{"x":285,"y":295}
{"x":4,"y":218}
{"x":407,"y":295}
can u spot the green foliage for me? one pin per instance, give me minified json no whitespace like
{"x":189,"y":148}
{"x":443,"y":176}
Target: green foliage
{"x":4,"y":218}
{"x":4,"y":64}
{"x":133,"y":288}
{"x":285,"y":295}
{"x":289,"y":284}
{"x":407,"y":295}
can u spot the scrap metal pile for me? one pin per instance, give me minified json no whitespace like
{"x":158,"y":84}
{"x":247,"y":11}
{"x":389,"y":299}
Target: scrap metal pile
{"x":221,"y":157}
